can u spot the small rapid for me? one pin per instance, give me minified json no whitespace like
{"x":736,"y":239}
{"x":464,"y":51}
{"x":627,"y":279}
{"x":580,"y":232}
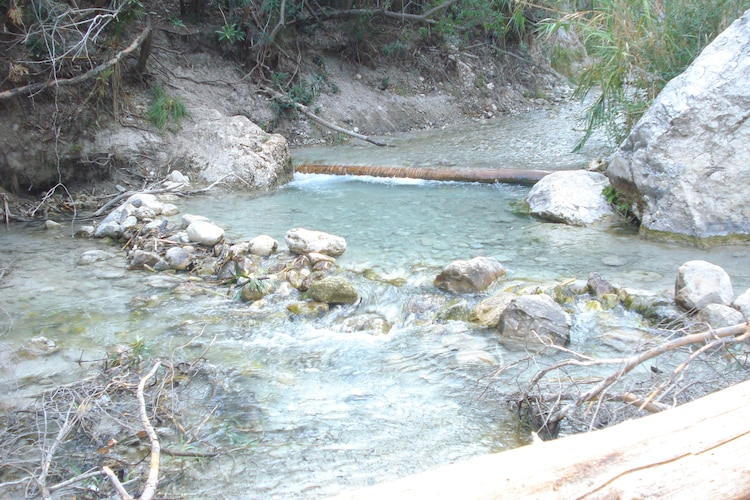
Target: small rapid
{"x":313,"y":406}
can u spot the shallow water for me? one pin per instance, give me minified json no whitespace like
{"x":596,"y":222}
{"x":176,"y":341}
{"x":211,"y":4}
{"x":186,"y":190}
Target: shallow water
{"x":325,"y":408}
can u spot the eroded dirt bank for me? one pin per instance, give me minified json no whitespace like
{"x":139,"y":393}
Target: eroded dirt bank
{"x":54,"y":138}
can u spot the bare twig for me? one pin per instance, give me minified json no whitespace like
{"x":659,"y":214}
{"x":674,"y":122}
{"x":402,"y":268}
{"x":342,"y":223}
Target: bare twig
{"x":68,"y":424}
{"x":740,"y":332}
{"x":306,"y":111}
{"x":153,"y":473}
{"x":37,"y":87}
{"x":124,"y":495}
{"x":403,"y":16}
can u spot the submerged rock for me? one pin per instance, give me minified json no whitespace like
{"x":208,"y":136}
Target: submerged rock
{"x":314,"y":309}
{"x":536,"y":318}
{"x":333,"y":290}
{"x":470,"y":276}
{"x":488,"y":312}
{"x":91,"y":256}
{"x":700,"y":283}
{"x":371,"y":323}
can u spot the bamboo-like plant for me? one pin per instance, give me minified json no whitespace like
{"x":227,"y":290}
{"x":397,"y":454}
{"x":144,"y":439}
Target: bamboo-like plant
{"x":636,"y":47}
{"x":165,"y":108}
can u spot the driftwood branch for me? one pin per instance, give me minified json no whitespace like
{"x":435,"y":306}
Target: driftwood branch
{"x":153,"y":473}
{"x":124,"y":495}
{"x":306,"y":111}
{"x":484,"y":175}
{"x":401,"y":16}
{"x":37,"y":87}
{"x":735,"y":333}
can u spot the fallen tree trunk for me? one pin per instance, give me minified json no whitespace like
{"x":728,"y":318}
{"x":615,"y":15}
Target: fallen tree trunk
{"x":698,"y":450}
{"x":485,"y":175}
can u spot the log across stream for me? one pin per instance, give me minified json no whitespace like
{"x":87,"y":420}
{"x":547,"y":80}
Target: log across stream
{"x":698,"y":450}
{"x":484,"y":175}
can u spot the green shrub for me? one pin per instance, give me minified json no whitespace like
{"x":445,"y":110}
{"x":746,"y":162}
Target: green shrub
{"x":165,"y":109}
{"x":230,"y":33}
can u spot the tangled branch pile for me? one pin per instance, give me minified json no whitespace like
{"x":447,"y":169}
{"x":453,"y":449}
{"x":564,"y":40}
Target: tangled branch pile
{"x":137,"y":428}
{"x":581,"y":393}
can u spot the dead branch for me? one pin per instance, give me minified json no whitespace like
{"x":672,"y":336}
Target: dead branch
{"x":37,"y":87}
{"x":153,"y":473}
{"x":735,"y":333}
{"x":401,"y":16}
{"x":70,"y":420}
{"x":124,"y":495}
{"x":306,"y":111}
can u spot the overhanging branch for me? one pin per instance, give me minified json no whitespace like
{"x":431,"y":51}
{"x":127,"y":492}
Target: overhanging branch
{"x":38,"y":87}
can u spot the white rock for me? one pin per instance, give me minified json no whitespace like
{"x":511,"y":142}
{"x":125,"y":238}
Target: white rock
{"x":263,"y":245}
{"x":169,"y":210}
{"x":570,"y":196}
{"x":109,"y":229}
{"x":142,"y":200}
{"x":205,"y":233}
{"x":302,"y":241}
{"x":700,"y":283}
{"x":742,"y":303}
{"x":719,"y":316}
{"x":177,"y":177}
{"x":188,"y":219}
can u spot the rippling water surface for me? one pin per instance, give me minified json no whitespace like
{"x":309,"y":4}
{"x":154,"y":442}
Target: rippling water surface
{"x":317,"y":406}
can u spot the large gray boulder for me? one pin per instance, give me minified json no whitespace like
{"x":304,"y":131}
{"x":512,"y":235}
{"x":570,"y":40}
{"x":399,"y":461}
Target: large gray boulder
{"x":212,"y":145}
{"x":536,"y":319}
{"x":700,"y":283}
{"x":685,"y":162}
{"x":469,"y":276}
{"x":570,"y":196}
{"x":233,"y":148}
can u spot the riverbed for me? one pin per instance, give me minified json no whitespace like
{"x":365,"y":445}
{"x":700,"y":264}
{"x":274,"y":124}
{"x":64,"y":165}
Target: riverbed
{"x":317,"y":407}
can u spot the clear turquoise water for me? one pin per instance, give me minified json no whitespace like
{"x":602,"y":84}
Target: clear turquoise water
{"x":325,"y":409}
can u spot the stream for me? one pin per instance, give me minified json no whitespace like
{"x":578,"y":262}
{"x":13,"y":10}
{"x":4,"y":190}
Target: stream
{"x":317,"y":406}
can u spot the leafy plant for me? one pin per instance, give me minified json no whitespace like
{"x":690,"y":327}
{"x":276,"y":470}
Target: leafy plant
{"x":230,"y":33}
{"x":636,"y":47}
{"x":165,"y":109}
{"x":613,"y":198}
{"x":176,"y":22}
